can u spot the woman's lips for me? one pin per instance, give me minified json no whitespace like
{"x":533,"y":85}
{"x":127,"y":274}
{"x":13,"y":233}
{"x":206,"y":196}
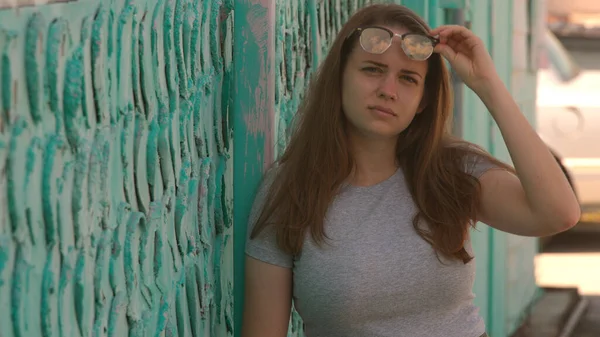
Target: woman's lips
{"x":382,"y":109}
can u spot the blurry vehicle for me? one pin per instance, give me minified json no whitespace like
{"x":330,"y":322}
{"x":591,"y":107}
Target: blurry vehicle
{"x":568,"y":113}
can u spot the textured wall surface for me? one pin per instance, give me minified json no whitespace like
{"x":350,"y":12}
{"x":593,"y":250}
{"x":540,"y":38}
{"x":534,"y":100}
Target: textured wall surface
{"x":116,"y":169}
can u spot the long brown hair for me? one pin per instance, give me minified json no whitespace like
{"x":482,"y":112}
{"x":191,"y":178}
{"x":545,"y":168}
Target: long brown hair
{"x":317,"y":160}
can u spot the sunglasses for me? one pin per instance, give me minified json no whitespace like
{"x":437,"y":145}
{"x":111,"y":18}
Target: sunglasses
{"x":376,"y":40}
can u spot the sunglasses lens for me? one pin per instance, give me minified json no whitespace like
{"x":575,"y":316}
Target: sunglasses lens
{"x":417,"y":47}
{"x":375,"y":40}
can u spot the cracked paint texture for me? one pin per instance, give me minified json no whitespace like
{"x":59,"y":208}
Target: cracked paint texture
{"x":116,"y":169}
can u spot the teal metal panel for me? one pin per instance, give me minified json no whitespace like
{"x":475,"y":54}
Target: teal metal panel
{"x":476,"y":121}
{"x":501,"y":49}
{"x":513,"y":287}
{"x":475,"y":117}
{"x":421,"y":7}
{"x":436,"y":13}
{"x":502,"y":53}
{"x":453,"y":4}
{"x":116,"y":169}
{"x":521,"y":287}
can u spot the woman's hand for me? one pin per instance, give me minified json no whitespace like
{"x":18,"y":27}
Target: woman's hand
{"x":468,"y":56}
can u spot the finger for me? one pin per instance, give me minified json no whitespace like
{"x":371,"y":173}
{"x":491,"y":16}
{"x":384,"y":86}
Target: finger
{"x":458,"y":45}
{"x":459,"y":41}
{"x":446,"y":51}
{"x":439,"y":29}
{"x":469,"y":43}
{"x":447,"y":30}
{"x":455,"y":32}
{"x":453,"y":43}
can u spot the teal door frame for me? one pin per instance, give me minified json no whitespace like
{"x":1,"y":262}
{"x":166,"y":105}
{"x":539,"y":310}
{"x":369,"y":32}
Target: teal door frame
{"x":501,"y":14}
{"x":253,"y":120}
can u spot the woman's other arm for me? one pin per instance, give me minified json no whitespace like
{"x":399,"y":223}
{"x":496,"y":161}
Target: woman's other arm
{"x":267,"y":299}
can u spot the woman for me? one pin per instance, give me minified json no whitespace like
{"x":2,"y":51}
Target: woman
{"x":365,"y":220}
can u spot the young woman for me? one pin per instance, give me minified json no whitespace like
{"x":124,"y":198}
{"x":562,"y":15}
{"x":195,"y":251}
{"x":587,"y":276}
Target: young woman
{"x":364,"y":221}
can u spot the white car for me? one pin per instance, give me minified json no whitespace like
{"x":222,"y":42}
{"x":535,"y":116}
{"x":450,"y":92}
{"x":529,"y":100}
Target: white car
{"x":568,"y":120}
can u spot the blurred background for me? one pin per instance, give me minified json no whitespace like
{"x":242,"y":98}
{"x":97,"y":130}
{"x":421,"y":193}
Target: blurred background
{"x":568,"y":119}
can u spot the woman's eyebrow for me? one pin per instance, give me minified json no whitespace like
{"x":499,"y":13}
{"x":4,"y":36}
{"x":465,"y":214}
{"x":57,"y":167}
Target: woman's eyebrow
{"x":411,"y":72}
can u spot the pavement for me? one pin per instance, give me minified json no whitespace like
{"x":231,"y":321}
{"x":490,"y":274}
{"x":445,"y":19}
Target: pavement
{"x":589,"y":325}
{"x":569,"y":267}
{"x":571,"y":260}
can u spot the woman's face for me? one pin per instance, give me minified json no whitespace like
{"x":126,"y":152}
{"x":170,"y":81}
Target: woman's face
{"x":381,"y":94}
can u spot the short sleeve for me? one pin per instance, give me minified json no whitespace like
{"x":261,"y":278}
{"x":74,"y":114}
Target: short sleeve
{"x":264,"y":246}
{"x":477,"y":165}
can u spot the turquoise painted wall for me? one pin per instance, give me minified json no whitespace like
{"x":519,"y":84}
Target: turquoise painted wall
{"x":116,"y":169}
{"x":134,"y":133}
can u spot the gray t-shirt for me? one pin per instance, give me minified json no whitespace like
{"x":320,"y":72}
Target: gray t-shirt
{"x":375,"y":276}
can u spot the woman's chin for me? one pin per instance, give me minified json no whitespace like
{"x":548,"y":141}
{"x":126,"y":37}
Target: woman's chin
{"x":382,"y":132}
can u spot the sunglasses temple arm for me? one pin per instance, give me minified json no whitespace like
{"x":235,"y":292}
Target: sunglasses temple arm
{"x":352,"y":33}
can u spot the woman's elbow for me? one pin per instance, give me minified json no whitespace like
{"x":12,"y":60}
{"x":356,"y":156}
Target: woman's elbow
{"x":568,"y":215}
{"x":572,"y":217}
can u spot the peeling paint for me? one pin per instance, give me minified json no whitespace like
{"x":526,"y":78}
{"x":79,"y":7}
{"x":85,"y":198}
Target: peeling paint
{"x":115,"y":139}
{"x":262,"y":121}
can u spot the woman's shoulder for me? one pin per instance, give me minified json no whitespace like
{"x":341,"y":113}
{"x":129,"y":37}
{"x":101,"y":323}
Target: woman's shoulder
{"x":463,"y":146}
{"x":265,"y":187}
{"x":474,"y":159}
{"x":270,"y":175}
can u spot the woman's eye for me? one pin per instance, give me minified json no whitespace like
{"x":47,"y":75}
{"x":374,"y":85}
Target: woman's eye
{"x":372,"y":70}
{"x":409,"y":79}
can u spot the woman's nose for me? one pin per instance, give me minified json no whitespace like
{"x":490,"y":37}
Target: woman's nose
{"x":388,"y":88}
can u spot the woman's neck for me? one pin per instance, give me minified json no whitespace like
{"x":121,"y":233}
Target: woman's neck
{"x":375,"y":161}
